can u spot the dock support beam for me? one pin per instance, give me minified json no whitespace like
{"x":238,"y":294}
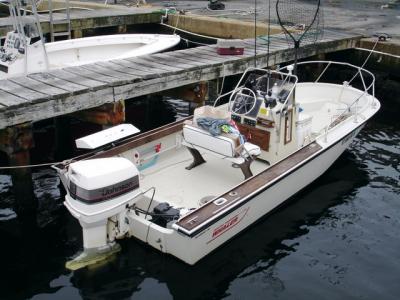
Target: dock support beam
{"x":195,"y":94}
{"x":122,"y":29}
{"x":109,"y":114}
{"x":16,"y":142}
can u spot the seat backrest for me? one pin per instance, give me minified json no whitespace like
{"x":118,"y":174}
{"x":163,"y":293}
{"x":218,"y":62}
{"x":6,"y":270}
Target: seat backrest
{"x":220,"y":144}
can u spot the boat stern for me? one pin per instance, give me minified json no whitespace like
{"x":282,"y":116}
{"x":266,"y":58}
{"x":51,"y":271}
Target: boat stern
{"x":98,"y":194}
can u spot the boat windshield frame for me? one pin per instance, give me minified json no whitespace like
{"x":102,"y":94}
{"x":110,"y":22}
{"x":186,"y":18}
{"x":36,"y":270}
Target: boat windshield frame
{"x":285,"y":77}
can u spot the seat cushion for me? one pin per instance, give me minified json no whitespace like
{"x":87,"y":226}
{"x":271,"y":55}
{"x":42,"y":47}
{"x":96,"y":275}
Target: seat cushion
{"x":250,"y":149}
{"x":227,"y":144}
{"x":220,"y":144}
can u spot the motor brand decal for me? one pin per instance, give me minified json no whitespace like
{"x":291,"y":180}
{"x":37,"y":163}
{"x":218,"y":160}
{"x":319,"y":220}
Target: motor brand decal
{"x":233,"y":221}
{"x":104,"y":193}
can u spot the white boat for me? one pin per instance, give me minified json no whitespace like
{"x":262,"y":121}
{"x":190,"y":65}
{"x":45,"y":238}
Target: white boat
{"x":185,"y":191}
{"x":17,"y":59}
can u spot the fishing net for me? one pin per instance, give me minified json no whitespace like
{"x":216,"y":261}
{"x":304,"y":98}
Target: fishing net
{"x":302,"y":21}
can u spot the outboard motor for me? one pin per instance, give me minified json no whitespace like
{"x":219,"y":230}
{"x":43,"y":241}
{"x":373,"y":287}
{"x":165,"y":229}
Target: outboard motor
{"x":99,"y":191}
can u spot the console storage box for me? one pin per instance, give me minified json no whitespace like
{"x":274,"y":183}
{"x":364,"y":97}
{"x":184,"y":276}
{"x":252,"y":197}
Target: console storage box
{"x":230,"y":47}
{"x":210,"y":112}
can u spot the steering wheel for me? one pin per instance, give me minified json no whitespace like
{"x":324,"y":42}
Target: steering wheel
{"x":244,"y":102}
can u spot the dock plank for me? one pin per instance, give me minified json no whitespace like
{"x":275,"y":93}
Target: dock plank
{"x":106,"y":71}
{"x":77,"y":79}
{"x":151,"y":69}
{"x":21,"y":91}
{"x":195,"y":53}
{"x":224,"y":59}
{"x":41,"y":87}
{"x":134,"y":74}
{"x":211,"y":55}
{"x":183,"y":58}
{"x":61,"y":106}
{"x":58,"y":83}
{"x":140,"y":70}
{"x":9,"y":100}
{"x":98,"y":76}
{"x":155,"y":64}
{"x":172,"y":61}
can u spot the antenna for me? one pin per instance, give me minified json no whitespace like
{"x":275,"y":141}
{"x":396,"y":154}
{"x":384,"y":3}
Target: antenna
{"x":255,"y":33}
{"x":300,"y":21}
{"x":269,"y":31}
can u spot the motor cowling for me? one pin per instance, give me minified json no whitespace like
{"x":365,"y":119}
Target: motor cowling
{"x":98,"y":180}
{"x":99,"y":191}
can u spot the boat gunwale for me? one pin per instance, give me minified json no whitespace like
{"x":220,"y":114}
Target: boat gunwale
{"x":128,"y":143}
{"x":143,"y":138}
{"x":174,"y":127}
{"x":243,"y":189}
{"x":195,"y":231}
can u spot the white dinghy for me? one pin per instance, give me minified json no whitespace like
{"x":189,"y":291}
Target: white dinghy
{"x":19,"y":57}
{"x":186,"y":190}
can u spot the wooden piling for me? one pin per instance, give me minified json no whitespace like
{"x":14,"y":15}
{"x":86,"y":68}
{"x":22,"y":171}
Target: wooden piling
{"x":108,"y":114}
{"x":196,"y":92}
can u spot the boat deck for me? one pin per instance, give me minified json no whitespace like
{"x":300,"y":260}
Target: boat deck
{"x":188,"y":188}
{"x":204,"y":213}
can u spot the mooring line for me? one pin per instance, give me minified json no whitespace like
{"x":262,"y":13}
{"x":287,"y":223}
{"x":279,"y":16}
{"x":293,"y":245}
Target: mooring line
{"x":31,"y":166}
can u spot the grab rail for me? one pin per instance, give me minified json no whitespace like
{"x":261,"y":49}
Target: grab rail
{"x":359,"y":72}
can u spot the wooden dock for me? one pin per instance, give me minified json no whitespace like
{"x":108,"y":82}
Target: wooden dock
{"x":45,"y":95}
{"x":82,"y":19}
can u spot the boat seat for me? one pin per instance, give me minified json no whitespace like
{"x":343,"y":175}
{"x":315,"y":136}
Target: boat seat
{"x":225,"y":146}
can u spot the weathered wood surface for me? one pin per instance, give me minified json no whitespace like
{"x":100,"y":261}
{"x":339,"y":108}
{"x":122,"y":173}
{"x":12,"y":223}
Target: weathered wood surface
{"x":45,"y":95}
{"x":91,"y":18}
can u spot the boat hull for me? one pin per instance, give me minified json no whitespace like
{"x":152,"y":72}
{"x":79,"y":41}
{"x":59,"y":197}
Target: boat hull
{"x":192,"y":247}
{"x":77,"y":52}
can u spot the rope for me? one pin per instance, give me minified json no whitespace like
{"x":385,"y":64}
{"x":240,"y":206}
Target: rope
{"x":30,"y":166}
{"x":177,"y":23}
{"x":193,"y":42}
{"x":269,"y":31}
{"x":378,"y":52}
{"x":223,"y":80}
{"x":255,"y":33}
{"x":192,"y":33}
{"x":366,"y":60}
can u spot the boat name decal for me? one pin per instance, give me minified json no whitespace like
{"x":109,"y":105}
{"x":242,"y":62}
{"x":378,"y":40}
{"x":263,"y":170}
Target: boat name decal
{"x":221,"y":229}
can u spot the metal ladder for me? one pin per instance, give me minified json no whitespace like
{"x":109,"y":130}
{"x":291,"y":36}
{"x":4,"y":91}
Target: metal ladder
{"x":66,"y":21}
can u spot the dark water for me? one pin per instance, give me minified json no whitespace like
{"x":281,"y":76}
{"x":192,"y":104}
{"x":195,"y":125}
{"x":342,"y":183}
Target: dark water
{"x":337,"y":239}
